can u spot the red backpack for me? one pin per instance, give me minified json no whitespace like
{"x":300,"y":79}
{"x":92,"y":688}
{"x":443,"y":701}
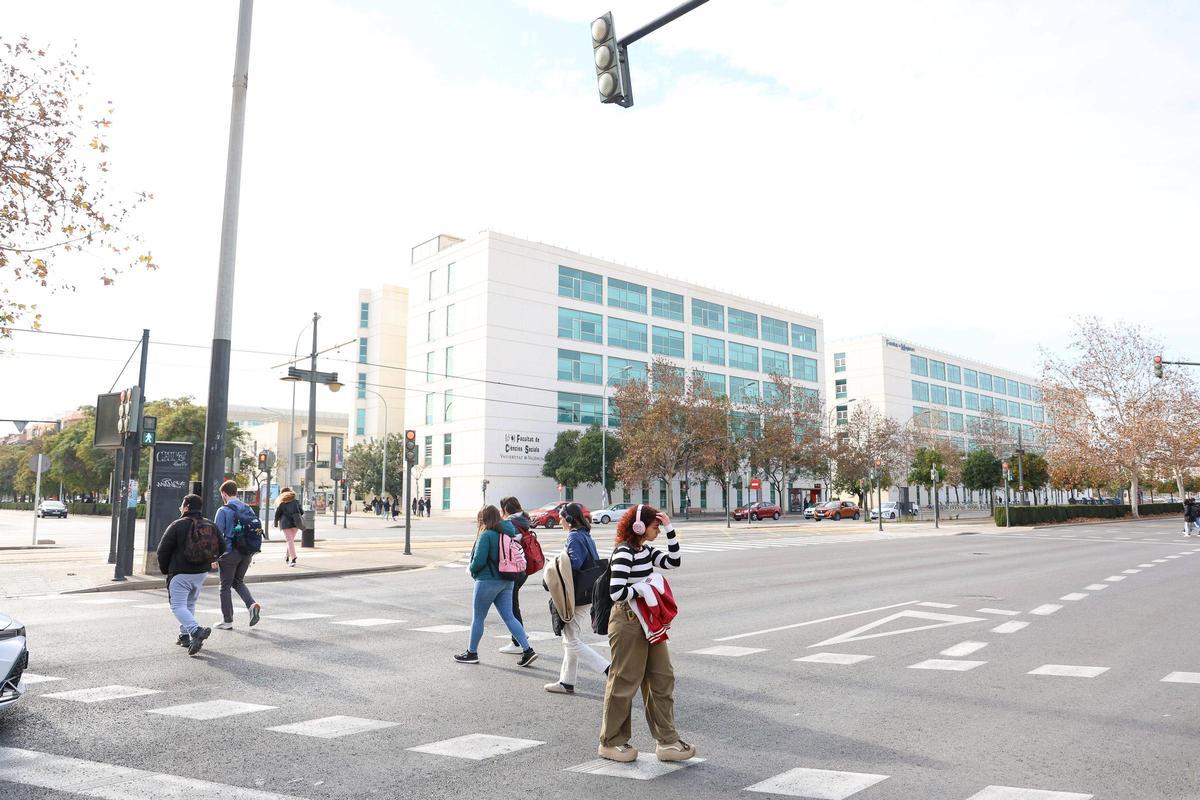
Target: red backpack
{"x":535,"y":560}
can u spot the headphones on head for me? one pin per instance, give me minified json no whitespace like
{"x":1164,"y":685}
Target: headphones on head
{"x":639,"y":527}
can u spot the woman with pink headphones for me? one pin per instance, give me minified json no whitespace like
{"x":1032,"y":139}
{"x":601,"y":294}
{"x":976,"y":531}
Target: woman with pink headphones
{"x":635,"y":662}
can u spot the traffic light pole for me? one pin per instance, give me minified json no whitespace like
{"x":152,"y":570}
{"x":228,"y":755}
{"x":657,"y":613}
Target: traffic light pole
{"x":622,"y":46}
{"x":407,"y":508}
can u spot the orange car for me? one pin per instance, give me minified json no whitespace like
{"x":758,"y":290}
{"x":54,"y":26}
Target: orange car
{"x":837,"y":509}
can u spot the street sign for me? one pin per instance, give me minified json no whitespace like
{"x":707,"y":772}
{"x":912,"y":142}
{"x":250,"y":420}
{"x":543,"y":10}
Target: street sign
{"x":755,"y":483}
{"x":337,"y":457}
{"x":39,"y":463}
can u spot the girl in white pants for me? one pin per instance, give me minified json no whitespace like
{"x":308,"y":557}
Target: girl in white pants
{"x":581,"y":549}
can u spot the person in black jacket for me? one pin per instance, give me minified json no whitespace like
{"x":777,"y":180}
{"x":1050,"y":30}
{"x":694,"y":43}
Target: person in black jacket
{"x":185,"y":578}
{"x":289,"y":517}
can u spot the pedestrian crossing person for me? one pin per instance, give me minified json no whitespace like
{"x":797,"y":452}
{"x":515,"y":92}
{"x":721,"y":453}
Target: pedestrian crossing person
{"x":289,"y":517}
{"x":1191,"y":517}
{"x":493,"y":586}
{"x":582,"y":555}
{"x":636,"y":663}
{"x":188,"y":549}
{"x":234,"y":562}
{"x":516,"y":516}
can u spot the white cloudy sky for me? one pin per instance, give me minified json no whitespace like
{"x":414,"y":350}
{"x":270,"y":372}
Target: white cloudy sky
{"x":965,"y":174}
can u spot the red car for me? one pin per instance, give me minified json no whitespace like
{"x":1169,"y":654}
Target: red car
{"x":548,"y":515}
{"x":758,"y":511}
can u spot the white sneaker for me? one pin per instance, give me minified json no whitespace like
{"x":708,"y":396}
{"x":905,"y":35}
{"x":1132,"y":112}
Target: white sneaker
{"x":512,"y":649}
{"x":224,"y":626}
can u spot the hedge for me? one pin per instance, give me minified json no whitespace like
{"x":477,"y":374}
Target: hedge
{"x":85,"y":509}
{"x":1034,"y":515}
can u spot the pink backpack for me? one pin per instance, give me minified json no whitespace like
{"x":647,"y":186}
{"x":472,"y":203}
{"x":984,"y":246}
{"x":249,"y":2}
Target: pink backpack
{"x":512,"y":557}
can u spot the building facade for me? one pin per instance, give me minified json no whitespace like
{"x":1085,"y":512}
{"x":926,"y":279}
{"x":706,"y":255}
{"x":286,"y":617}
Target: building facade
{"x":379,"y":376}
{"x":272,"y":429}
{"x":511,"y":341}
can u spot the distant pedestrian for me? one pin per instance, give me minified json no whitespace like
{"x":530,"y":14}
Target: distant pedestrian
{"x":414,"y":507}
{"x":395,"y":510}
{"x":189,"y":548}
{"x":289,"y":517}
{"x":387,"y":508}
{"x":232,"y":520}
{"x":1191,"y":517}
{"x":511,"y":508}
{"x":582,"y":557}
{"x":423,"y":507}
{"x":636,"y":662}
{"x":495,"y":550}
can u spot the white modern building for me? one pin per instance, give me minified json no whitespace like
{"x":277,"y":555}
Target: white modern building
{"x":380,"y":373}
{"x":512,"y":341}
{"x":276,"y":430}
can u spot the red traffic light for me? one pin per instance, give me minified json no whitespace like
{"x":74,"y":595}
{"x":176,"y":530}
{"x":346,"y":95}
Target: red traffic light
{"x":410,"y":436}
{"x":1158,"y":359}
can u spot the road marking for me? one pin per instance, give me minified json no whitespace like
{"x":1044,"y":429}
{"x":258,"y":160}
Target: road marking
{"x":834,"y":658}
{"x":333,"y":727}
{"x":1130,"y":571}
{"x":947,"y":664}
{"x":1147,"y":566}
{"x":212,"y":709}
{"x":1182,"y":677}
{"x":1115,"y":578}
{"x":938,"y":605}
{"x":937,"y":621}
{"x":476,"y":746}
{"x":1046,"y":609}
{"x":299,"y":615}
{"x":155,"y":606}
{"x":819,"y":784}
{"x":1095,"y":587}
{"x":369,"y":622}
{"x":443,"y":629}
{"x":109,"y":781}
{"x":964,"y":649}
{"x":1015,"y":793}
{"x":1160,"y":561}
{"x":813,"y":622}
{"x":1074,"y":596}
{"x":646,"y":768}
{"x":728,"y":650}
{"x":1173,"y":556}
{"x":1122,"y":538}
{"x":1001,"y":611}
{"x":1068,"y":671}
{"x":100,"y":694}
{"x":533,"y":636}
{"x":1010,"y":627}
{"x":32,"y":678}
{"x":107,"y":601}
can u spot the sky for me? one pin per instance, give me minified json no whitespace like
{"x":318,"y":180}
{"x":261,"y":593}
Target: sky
{"x":971,"y":176}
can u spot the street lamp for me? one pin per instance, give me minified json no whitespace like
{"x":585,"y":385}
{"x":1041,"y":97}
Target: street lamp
{"x":604,"y":432}
{"x":383,"y":469}
{"x":933,"y":476}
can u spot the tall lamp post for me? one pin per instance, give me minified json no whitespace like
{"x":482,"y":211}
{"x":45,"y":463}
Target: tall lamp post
{"x":604,"y":433}
{"x":383,"y":467}
{"x":292,"y":441}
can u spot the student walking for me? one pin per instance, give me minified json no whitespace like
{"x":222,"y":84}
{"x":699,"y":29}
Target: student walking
{"x":395,"y":510}
{"x":189,"y":547}
{"x":490,"y":557}
{"x":581,"y":555}
{"x":289,"y":517}
{"x":636,"y":663}
{"x":235,"y":562}
{"x":514,"y":515}
{"x":1191,"y":517}
{"x":415,"y":509}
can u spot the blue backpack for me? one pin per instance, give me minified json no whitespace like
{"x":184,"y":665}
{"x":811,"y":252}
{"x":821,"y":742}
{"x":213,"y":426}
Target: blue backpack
{"x":247,"y":531}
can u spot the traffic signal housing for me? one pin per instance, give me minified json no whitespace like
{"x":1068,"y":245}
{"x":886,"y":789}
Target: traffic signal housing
{"x":262,"y":461}
{"x":1158,"y":362}
{"x":410,"y":448}
{"x":130,"y":410}
{"x":611,"y":75}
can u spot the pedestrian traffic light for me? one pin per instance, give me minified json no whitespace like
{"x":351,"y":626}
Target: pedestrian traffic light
{"x":410,"y":447}
{"x":1158,"y":366}
{"x":129,"y":411}
{"x":610,"y":71}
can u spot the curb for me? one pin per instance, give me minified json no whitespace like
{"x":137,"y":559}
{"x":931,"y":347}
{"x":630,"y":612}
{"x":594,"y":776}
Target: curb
{"x":159,"y":583}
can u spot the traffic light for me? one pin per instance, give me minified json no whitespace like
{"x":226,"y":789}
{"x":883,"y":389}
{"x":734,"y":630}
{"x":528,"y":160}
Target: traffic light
{"x":262,"y":461}
{"x":1158,"y":366}
{"x":130,"y":408}
{"x":610,"y":72}
{"x":410,"y":447}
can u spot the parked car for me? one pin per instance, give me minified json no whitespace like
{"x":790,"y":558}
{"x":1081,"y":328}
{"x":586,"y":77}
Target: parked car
{"x":548,"y":515}
{"x":810,"y":511}
{"x":14,"y":659}
{"x":607,"y":515}
{"x":51,"y":508}
{"x":838,"y":509}
{"x":758,"y":511}
{"x":891,"y":510}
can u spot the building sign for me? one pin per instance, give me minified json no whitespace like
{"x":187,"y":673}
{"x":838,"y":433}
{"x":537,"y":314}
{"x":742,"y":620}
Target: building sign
{"x":901,"y":346}
{"x":170,"y":472}
{"x":524,"y":447}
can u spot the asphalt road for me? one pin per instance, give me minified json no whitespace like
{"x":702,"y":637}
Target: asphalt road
{"x":989,"y":609}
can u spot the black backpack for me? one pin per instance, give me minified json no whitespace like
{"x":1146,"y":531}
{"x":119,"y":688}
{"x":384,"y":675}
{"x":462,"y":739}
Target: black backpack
{"x":602,"y":602}
{"x":203,"y":543}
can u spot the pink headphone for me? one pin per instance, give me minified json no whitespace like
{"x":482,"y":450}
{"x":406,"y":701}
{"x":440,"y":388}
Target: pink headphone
{"x":639,"y":527}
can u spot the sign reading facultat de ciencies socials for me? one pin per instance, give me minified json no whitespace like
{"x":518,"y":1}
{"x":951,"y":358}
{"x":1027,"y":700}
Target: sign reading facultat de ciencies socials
{"x":524,"y":447}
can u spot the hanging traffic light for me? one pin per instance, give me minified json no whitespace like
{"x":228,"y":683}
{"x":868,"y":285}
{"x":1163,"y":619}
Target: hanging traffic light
{"x":129,"y":411}
{"x":610,"y":71}
{"x":1158,"y":362}
{"x":410,"y":448}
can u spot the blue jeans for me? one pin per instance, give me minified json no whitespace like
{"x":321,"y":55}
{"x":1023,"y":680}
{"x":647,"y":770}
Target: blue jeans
{"x":182,"y":592}
{"x":497,"y":593}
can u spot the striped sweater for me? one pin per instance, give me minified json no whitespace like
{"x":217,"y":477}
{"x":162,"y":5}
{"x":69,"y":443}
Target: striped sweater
{"x":629,"y":567}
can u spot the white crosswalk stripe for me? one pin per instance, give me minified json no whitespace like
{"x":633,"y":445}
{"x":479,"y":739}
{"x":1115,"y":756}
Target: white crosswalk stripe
{"x":100,"y":694}
{"x":819,"y":784}
{"x":645,"y":768}
{"x":333,"y":727}
{"x":476,"y":746}
{"x":1015,"y":793}
{"x":211,"y":709}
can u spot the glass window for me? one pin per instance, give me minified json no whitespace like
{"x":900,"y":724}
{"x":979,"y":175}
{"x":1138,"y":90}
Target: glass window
{"x":714,"y":382}
{"x":839,"y":389}
{"x":362,"y":386}
{"x":842,"y":414}
{"x":708,"y":315}
{"x":667,"y":305}
{"x":708,"y":350}
{"x":804,"y":368}
{"x":953,"y":374}
{"x":805,"y":338}
{"x":580,"y":325}
{"x":429,"y":326}
{"x":626,"y":334}
{"x":1026,"y":391}
{"x":839,"y":362}
{"x":954,"y":397}
{"x":430,"y":294}
{"x":956,"y":421}
{"x":451,"y":320}
{"x":1001,"y":406}
{"x":429,"y":366}
{"x":1035,"y":394}
{"x":937,"y":394}
{"x":985,"y":403}
{"x":586,"y":286}
{"x":1026,"y":411}
{"x":985,"y":382}
{"x":774,"y":330}
{"x":667,"y":342}
{"x":743,"y":390}
{"x":448,"y":405}
{"x":450,"y":278}
{"x":581,"y":367}
{"x":771,"y":392}
{"x":428,"y":453}
{"x":1014,"y":389}
{"x":578,"y":409}
{"x":622,"y":370}
{"x":743,"y":356}
{"x":670,"y":377}
{"x":364,"y":314}
{"x":941,"y":420}
{"x":971,"y":401}
{"x":774,"y":362}
{"x":362,"y":350}
{"x":743,"y":323}
{"x":447,"y":448}
{"x":921,"y":416}
{"x":360,"y":422}
{"x":937,"y":370}
{"x":1014,"y":409}
{"x":805,"y":394}
{"x":1038,"y":414}
{"x":920,"y":391}
{"x":626,"y":295}
{"x":918,"y":365}
{"x":445,"y":494}
{"x":971,"y":378}
{"x":429,"y":408}
{"x":450,"y":361}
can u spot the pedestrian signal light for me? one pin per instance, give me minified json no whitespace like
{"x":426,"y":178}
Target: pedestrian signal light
{"x":1158,"y":362}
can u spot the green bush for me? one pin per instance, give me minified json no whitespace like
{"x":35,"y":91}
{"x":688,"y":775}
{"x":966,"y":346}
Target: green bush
{"x":1037,"y":515}
{"x":85,"y":509}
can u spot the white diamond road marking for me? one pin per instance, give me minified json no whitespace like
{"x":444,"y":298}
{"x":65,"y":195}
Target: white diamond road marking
{"x":948,"y":665}
{"x":369,"y":622}
{"x":728,"y":650}
{"x":964,"y":649}
{"x":110,"y":782}
{"x":1182,"y":677}
{"x":212,"y":709}
{"x":476,"y":746}
{"x":1010,"y":627}
{"x":1015,"y":793}
{"x":1068,"y":671}
{"x":1095,"y":587}
{"x":443,"y":629}
{"x":1073,"y":596}
{"x":817,"y":784}
{"x":1115,"y":578}
{"x":299,"y":615}
{"x":32,"y":678}
{"x":1046,"y":610}
{"x":936,"y":621}
{"x":647,"y":767}
{"x":1001,"y":611}
{"x":834,"y":658}
{"x":333,"y":727}
{"x":938,"y":605}
{"x":1130,"y":571}
{"x":99,"y":694}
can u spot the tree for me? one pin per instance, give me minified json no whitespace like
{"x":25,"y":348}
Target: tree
{"x":53,"y":195}
{"x":720,"y":454}
{"x":923,"y":463}
{"x":1178,"y":450}
{"x":363,"y":462}
{"x":1033,"y":470}
{"x":591,"y":451}
{"x":181,"y":420}
{"x":868,"y":435}
{"x":559,"y":462}
{"x":73,"y":461}
{"x":981,"y":473}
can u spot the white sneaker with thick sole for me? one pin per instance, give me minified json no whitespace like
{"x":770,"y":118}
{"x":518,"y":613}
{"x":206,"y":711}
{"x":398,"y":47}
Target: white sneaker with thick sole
{"x":679,"y":751}
{"x":512,"y":649}
{"x":224,"y":626}
{"x":622,"y":752}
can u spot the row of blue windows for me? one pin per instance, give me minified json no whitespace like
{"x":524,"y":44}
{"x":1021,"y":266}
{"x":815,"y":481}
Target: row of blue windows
{"x":924,"y":392}
{"x":956,"y":422}
{"x":589,"y":287}
{"x":575,"y":408}
{"x":941,"y":371}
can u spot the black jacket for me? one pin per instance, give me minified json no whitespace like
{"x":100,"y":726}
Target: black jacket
{"x":170,"y":550}
{"x":289,"y":515}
